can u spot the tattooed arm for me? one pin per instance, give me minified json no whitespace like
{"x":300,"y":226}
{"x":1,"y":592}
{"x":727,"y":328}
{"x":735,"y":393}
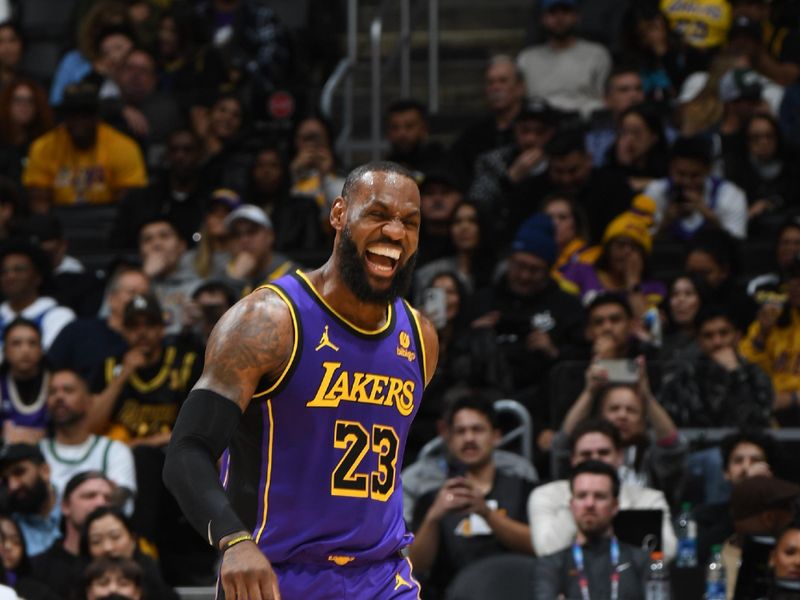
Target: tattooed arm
{"x":253,"y":340}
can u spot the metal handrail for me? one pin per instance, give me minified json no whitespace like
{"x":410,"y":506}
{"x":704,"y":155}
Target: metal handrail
{"x":522,"y":432}
{"x":343,"y":73}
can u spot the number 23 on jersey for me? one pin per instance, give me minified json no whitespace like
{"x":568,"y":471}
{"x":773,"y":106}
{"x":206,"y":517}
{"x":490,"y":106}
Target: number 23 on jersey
{"x":356,"y":441}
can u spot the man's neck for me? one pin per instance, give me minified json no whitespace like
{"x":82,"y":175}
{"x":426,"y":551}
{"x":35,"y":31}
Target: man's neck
{"x":505,"y":117}
{"x":483,"y":475}
{"x":72,"y":435}
{"x":22,"y":302}
{"x":582,"y":538}
{"x":562,"y":43}
{"x":72,"y":540}
{"x":183,"y":185}
{"x":337,"y":294}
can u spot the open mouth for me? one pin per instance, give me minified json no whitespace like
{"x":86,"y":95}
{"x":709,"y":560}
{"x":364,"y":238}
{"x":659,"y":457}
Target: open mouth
{"x":382,"y":258}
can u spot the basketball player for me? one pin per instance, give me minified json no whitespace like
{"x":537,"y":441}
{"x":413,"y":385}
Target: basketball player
{"x":311,"y":383}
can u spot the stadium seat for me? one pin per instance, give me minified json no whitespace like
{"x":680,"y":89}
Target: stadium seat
{"x":507,"y":576}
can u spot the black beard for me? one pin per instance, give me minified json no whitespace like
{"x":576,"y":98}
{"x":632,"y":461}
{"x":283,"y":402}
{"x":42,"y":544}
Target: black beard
{"x":32,"y":500}
{"x":353,"y":273}
{"x":560,"y":36}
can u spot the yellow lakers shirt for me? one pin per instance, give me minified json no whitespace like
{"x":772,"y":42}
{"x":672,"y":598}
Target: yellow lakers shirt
{"x":92,"y":176}
{"x":701,"y":23}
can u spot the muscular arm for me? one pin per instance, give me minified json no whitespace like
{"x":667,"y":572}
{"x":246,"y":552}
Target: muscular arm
{"x":251,"y":340}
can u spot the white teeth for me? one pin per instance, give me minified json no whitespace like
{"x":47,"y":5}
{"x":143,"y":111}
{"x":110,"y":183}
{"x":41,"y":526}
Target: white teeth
{"x":387,"y":251}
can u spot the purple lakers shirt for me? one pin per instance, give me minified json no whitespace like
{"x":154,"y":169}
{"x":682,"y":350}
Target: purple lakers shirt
{"x":314,"y":466}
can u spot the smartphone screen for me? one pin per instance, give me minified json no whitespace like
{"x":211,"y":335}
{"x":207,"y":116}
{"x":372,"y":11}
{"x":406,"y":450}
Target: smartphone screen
{"x":434,"y":306}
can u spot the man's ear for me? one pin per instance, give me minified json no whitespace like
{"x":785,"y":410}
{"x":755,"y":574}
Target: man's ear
{"x":338,"y":214}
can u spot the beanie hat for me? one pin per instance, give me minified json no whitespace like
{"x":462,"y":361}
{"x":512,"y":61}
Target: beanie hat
{"x":634,"y":223}
{"x":536,"y":236}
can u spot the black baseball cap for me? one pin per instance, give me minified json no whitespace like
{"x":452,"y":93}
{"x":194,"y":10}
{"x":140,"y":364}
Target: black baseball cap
{"x":14,"y":453}
{"x":143,"y":305}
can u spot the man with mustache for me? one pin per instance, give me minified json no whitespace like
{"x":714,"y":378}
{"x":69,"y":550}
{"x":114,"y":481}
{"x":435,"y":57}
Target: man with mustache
{"x":597,"y":564}
{"x":309,"y":389}
{"x":72,"y":448}
{"x":480,"y":510}
{"x":32,"y":499}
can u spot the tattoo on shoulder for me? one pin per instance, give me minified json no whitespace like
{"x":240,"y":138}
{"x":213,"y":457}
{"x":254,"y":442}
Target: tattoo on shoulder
{"x":253,"y":339}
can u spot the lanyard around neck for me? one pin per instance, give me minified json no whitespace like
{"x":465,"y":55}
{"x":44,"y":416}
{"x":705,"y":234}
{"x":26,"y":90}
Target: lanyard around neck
{"x":583,"y":581}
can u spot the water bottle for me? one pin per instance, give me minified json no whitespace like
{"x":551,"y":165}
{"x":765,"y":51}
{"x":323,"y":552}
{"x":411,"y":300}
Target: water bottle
{"x":715,"y":575}
{"x":687,"y":538}
{"x":657,"y":579}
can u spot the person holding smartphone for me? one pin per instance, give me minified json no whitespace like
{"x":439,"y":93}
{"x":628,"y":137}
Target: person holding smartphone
{"x":480,"y":510}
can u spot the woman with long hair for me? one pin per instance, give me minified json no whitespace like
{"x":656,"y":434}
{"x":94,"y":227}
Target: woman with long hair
{"x":25,"y":114}
{"x":640,"y":151}
{"x":17,"y":565}
{"x":474,"y":258}
{"x":686,"y":295}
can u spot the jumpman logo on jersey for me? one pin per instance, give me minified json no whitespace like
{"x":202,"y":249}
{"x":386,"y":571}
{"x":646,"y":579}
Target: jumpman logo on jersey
{"x":325,"y":341}
{"x":399,"y":582}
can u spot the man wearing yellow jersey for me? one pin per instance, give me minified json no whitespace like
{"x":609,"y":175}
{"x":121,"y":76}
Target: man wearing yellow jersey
{"x":703,"y":24}
{"x":83,"y":160}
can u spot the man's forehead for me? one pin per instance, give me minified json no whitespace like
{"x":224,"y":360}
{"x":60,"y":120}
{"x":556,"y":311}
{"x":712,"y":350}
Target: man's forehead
{"x":592,"y":482}
{"x":385,"y":186}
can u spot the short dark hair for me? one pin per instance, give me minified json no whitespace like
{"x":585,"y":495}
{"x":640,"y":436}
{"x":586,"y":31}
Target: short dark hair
{"x":566,"y":141}
{"x":79,"y":479}
{"x":711,"y":312}
{"x":129,"y":568}
{"x":377,"y":166}
{"x":472,"y":400}
{"x":596,"y":467}
{"x":406,"y":104}
{"x":21,"y":322}
{"x":750,"y":436}
{"x":617,"y":71}
{"x":599,"y":397}
{"x":594,"y":425}
{"x":610,"y":298}
{"x":216,"y":286}
{"x":73,"y":372}
{"x":160,"y":219}
{"x":692,"y":148}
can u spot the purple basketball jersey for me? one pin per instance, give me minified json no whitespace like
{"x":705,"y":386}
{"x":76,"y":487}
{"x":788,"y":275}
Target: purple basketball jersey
{"x":314,"y":466}
{"x":13,"y":409}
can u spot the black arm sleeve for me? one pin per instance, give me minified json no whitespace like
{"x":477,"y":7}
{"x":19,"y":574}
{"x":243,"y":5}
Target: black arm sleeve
{"x":202,"y":431}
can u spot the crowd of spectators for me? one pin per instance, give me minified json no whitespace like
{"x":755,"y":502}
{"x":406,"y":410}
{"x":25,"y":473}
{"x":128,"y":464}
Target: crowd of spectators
{"x":614,"y":244}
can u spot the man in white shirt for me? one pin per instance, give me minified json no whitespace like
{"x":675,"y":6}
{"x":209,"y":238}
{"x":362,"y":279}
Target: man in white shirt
{"x":73,"y":449}
{"x":23,"y":269}
{"x":551,"y":521}
{"x":691,"y":200}
{"x":569,"y":72}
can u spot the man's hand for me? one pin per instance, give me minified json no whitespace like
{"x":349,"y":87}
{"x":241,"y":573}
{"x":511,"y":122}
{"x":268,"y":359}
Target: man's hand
{"x":595,"y":378}
{"x":541,"y":340}
{"x":454,"y":496}
{"x":524,"y":164}
{"x":603,"y":347}
{"x":246,"y":574}
{"x":154,"y":264}
{"x":242,"y":266}
{"x":134,"y":358}
{"x":726,"y":358}
{"x":136,"y":121}
{"x":490,"y":319}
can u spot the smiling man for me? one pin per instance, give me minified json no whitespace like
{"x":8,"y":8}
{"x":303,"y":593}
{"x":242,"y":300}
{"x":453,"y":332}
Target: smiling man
{"x":311,"y":383}
{"x":597,"y":564}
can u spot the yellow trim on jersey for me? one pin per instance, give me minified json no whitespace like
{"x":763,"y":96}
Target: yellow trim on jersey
{"x":381,"y":329}
{"x":269,"y":472}
{"x":422,"y":350}
{"x":413,"y":578}
{"x":296,"y":342}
